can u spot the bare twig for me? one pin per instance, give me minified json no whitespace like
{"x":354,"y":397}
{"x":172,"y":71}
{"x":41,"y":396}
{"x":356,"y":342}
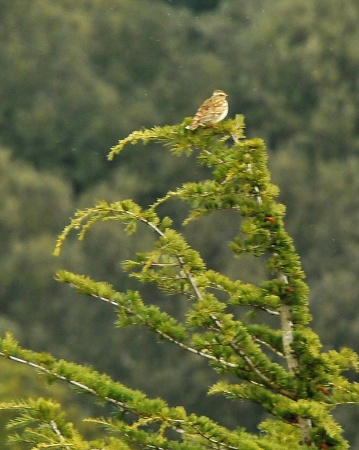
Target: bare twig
{"x":58,"y":433}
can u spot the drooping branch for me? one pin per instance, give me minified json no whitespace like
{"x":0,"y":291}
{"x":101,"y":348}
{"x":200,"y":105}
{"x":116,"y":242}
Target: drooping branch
{"x":142,"y":319}
{"x":148,"y":411}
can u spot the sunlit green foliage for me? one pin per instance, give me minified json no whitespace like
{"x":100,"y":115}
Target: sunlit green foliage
{"x":279,"y":365}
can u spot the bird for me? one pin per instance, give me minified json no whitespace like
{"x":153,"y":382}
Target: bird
{"x":212,"y":111}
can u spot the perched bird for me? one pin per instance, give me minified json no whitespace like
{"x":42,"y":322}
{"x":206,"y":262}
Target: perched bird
{"x":212,"y":111}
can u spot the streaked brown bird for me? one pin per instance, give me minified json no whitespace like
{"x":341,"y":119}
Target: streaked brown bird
{"x":212,"y":111}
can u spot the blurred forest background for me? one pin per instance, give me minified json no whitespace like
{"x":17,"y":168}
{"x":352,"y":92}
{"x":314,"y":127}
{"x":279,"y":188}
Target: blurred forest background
{"x":76,"y":76}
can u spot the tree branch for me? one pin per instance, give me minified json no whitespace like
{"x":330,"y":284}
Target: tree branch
{"x":178,"y":425}
{"x":58,"y":433}
{"x":167,"y":336}
{"x":293,"y":365}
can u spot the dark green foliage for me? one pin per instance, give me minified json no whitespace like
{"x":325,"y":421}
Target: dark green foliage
{"x":71,"y":84}
{"x":196,"y":5}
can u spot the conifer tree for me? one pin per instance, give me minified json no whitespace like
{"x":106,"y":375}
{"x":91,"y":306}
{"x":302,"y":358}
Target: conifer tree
{"x":277,"y":363}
